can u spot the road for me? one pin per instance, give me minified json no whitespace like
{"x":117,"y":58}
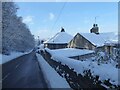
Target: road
{"x":23,"y":72}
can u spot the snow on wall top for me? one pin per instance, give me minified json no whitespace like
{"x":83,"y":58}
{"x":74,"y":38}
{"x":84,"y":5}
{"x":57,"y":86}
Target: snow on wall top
{"x":99,"y":39}
{"x":69,"y":52}
{"x":60,"y":37}
{"x":55,"y":81}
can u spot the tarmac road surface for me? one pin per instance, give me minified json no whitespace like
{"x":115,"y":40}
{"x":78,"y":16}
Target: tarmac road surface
{"x":23,"y":72}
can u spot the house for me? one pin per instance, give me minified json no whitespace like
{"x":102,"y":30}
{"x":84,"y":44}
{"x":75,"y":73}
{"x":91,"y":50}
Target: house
{"x":80,"y":42}
{"x":60,"y":40}
{"x":91,"y":41}
{"x":111,"y":46}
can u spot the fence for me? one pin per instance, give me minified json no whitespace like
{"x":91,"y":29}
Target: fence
{"x":76,"y":81}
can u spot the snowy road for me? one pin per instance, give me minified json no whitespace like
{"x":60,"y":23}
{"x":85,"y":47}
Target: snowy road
{"x":23,"y":72}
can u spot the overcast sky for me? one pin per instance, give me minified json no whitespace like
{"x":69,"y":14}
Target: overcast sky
{"x":41,"y":17}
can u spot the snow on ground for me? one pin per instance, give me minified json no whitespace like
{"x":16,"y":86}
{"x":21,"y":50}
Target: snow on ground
{"x":41,"y":46}
{"x":53,"y":79}
{"x":104,"y":71}
{"x":68,"y":52}
{"x":13,"y":55}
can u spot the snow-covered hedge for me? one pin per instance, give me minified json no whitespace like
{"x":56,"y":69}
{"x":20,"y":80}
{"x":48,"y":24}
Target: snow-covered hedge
{"x":107,"y":72}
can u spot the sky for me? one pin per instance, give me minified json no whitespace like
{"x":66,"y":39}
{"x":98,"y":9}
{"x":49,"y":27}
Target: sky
{"x":45,"y":19}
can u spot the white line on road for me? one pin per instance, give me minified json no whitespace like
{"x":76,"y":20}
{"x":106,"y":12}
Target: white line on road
{"x":5,"y":76}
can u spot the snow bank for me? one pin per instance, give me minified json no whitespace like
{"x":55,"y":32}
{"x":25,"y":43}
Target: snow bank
{"x":13,"y":55}
{"x":68,"y":52}
{"x":53,"y":79}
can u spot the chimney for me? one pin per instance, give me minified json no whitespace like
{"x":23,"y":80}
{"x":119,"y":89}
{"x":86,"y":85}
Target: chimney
{"x":62,"y":29}
{"x":95,"y":29}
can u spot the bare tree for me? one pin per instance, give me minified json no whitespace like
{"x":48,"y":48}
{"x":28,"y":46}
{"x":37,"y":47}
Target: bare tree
{"x":15,"y":34}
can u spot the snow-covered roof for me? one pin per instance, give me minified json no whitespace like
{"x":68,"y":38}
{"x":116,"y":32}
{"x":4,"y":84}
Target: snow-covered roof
{"x":99,"y":39}
{"x":69,"y":52}
{"x":60,"y":37}
{"x":114,"y":40}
